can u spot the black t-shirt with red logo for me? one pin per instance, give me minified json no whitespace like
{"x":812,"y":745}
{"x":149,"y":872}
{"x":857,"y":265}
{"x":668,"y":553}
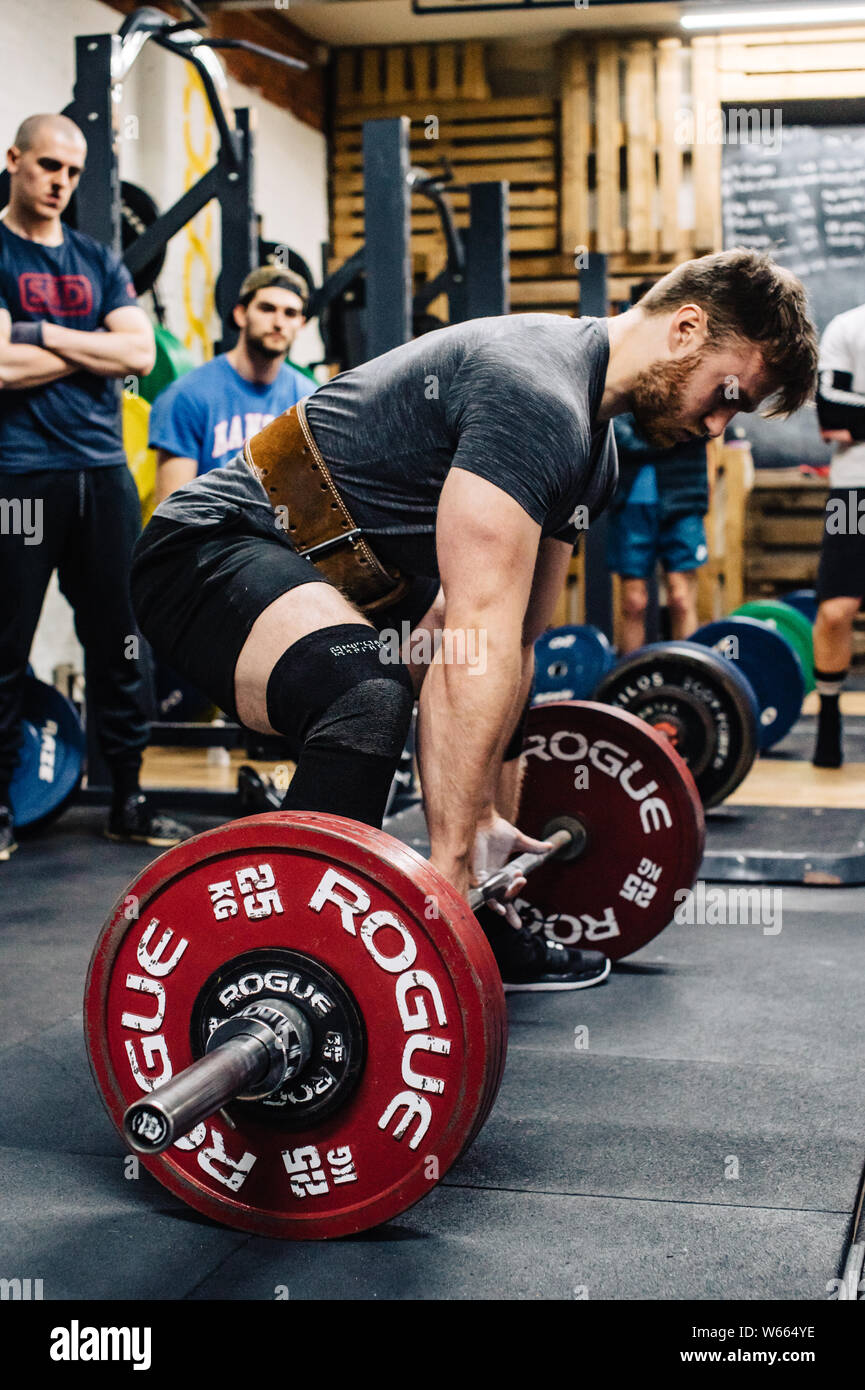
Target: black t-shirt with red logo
{"x":73,"y":422}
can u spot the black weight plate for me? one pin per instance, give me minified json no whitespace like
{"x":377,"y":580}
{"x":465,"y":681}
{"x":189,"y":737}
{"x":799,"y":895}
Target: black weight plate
{"x":277,"y":253}
{"x":138,"y":211}
{"x":699,"y":701}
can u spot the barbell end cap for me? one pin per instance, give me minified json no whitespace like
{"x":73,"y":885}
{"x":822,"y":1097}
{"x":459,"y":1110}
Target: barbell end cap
{"x":147,"y":1128}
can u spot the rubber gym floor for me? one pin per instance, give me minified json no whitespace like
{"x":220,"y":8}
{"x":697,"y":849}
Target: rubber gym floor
{"x":706,"y":1143}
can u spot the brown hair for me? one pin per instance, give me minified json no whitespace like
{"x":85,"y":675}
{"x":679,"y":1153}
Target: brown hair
{"x":267,"y":275}
{"x":746,"y":295}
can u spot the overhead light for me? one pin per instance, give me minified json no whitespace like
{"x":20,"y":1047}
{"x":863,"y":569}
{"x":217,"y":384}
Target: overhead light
{"x":759,"y":18}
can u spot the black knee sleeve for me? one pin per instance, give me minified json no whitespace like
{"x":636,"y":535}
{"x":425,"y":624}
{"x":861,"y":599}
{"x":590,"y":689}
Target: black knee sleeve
{"x":350,"y":710}
{"x":518,"y":737}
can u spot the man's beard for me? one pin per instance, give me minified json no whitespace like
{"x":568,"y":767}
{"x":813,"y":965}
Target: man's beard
{"x":259,"y":348}
{"x":657,"y":399}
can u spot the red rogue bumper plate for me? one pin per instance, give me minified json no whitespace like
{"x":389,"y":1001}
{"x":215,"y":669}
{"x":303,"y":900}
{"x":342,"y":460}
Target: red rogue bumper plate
{"x":360,"y":905}
{"x":640,"y":807}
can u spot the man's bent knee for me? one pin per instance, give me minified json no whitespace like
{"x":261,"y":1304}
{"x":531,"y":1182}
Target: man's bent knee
{"x":837,"y":613}
{"x":296,"y":614}
{"x":332,"y":687}
{"x":351,"y":712}
{"x":635,"y":599}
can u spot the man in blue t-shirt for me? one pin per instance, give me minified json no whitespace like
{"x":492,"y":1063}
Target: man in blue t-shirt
{"x":69,"y":328}
{"x":205,"y":418}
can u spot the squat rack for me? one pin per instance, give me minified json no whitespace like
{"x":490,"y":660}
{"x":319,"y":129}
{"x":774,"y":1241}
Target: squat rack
{"x":102,"y":64}
{"x":475,"y":278}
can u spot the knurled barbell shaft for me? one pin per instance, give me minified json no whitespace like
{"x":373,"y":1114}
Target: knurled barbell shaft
{"x":249,"y":1054}
{"x":498,"y":884}
{"x":154,"y":1122}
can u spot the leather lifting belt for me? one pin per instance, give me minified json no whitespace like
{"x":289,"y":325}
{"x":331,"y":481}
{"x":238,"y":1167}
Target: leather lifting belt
{"x":289,"y":465}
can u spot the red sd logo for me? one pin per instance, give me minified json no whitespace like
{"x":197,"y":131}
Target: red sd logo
{"x":70,"y":296}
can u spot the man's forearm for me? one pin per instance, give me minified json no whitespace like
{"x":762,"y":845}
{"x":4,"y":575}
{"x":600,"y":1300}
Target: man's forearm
{"x":22,"y":365}
{"x":104,"y":354}
{"x":490,"y":792}
{"x":460,"y":732}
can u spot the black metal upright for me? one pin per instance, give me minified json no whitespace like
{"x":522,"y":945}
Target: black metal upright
{"x":239,"y":222}
{"x":487,"y":285}
{"x":387,"y":227}
{"x":97,"y":200}
{"x":97,"y":213}
{"x":599,"y":589}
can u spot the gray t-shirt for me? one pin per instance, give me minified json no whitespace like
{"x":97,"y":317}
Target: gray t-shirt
{"x":511,"y":399}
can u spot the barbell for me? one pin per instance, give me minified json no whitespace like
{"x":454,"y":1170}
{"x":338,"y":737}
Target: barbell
{"x":298,"y":1022}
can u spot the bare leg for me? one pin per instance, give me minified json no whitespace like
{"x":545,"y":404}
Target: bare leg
{"x":833,"y":633}
{"x":635,"y":599}
{"x":302,"y":610}
{"x":682,"y":598}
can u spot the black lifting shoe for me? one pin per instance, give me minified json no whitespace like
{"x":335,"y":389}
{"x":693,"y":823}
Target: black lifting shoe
{"x":528,"y":961}
{"x":137,"y":821}
{"x":8,"y":843}
{"x":256,"y":793}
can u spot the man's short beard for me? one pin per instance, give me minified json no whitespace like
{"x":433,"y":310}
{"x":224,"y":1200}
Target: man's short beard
{"x":259,"y":348}
{"x":656,"y":398}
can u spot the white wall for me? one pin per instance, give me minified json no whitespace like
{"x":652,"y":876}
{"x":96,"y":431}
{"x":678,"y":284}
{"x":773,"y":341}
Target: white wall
{"x":166,"y":139}
{"x":37,"y":42}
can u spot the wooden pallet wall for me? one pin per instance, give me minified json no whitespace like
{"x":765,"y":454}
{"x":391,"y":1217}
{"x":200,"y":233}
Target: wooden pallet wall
{"x":443,"y":90}
{"x":629,"y":147}
{"x":641,"y":122}
{"x":619,"y":108}
{"x":796,"y":65}
{"x":420,"y":72}
{"x":785,"y":520}
{"x":721,"y":581}
{"x":634,"y":137}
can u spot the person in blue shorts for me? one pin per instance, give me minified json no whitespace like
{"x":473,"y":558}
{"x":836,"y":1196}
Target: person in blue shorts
{"x":657,"y":514}
{"x":203,"y":419}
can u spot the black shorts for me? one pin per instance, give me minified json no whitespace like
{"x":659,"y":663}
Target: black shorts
{"x":197,"y":590}
{"x":842,"y":552}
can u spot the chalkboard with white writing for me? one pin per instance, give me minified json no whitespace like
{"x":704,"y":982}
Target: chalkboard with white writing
{"x":798,"y":191}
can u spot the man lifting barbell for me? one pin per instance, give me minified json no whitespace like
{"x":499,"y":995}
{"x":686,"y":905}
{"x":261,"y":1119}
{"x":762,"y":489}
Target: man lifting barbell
{"x":441,"y":488}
